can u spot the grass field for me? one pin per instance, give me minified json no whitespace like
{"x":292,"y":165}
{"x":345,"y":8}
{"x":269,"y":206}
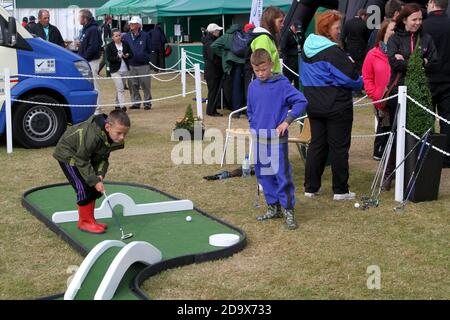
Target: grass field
{"x":326,"y":258}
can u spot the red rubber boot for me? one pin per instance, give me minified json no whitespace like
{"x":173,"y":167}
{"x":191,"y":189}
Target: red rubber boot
{"x":86,"y":221}
{"x":103,"y":225}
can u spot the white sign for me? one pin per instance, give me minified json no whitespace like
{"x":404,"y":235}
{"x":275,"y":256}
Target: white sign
{"x":256,"y":12}
{"x":177,"y":30}
{"x":44,"y":66}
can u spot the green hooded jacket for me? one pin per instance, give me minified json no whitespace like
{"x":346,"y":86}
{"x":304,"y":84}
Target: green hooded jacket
{"x":87,"y":146}
{"x":222,"y":48}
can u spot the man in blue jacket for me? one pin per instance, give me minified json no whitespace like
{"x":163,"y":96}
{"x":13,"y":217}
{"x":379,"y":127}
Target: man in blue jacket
{"x":90,"y":46}
{"x":140,"y":43}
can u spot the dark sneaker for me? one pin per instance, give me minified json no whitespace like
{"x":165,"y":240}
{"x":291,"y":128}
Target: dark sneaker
{"x":135,"y":107}
{"x":148,"y":107}
{"x":273,"y":212}
{"x":290,"y":219}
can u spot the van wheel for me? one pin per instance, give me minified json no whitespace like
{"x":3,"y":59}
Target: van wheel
{"x":38,"y":125}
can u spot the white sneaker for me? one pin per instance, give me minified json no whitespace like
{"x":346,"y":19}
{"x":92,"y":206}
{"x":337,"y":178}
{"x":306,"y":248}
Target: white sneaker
{"x":312,"y":194}
{"x":344,"y":196}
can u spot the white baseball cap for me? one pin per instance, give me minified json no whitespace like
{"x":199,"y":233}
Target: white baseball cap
{"x":213,"y":27}
{"x":135,"y":19}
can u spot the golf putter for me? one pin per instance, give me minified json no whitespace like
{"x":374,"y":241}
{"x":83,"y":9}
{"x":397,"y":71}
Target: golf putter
{"x":123,"y":235}
{"x":257,"y":195}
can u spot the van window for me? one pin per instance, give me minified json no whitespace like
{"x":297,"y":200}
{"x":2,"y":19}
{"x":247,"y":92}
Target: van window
{"x":21,"y":44}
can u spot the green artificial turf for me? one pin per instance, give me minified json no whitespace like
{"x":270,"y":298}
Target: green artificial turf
{"x":168,"y":232}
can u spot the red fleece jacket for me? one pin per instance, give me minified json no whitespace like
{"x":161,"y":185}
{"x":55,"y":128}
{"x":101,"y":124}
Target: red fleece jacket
{"x":376,"y":73}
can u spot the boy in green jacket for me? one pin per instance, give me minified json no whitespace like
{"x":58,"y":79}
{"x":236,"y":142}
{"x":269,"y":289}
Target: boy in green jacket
{"x":83,"y":153}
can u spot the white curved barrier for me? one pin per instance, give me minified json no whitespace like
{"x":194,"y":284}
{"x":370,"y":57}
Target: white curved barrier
{"x":87,"y":264}
{"x":136,"y":251}
{"x":130,"y":208}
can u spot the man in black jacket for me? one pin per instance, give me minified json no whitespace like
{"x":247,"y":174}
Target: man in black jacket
{"x":213,"y":69}
{"x":31,"y":24}
{"x":437,"y":25}
{"x":289,"y":46}
{"x":90,"y":46}
{"x":47,"y":31}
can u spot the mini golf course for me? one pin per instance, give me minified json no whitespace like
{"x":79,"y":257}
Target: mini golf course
{"x":161,"y":240}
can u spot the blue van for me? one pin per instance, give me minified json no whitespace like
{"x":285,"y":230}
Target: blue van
{"x":42,"y":123}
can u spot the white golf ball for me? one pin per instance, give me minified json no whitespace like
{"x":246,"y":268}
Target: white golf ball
{"x":357,"y":205}
{"x":188,"y":218}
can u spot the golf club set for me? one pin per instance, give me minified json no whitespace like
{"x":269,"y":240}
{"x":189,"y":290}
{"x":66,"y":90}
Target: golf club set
{"x":379,"y":180}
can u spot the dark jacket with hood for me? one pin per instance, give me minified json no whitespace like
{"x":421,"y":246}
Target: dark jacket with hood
{"x":90,"y":41}
{"x":54,"y":36}
{"x":403,"y":42}
{"x":328,"y":77}
{"x":437,"y":25}
{"x":87,"y":146}
{"x":222,"y":48}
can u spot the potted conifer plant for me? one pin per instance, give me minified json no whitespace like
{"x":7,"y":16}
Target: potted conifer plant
{"x":419,"y":121}
{"x":190,"y":123}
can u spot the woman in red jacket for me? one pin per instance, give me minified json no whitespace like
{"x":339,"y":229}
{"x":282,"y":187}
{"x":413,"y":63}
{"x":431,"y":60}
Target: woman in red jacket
{"x":376,"y":73}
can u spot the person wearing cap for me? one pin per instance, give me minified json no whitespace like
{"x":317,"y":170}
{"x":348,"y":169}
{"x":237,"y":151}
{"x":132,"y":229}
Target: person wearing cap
{"x":47,"y":31}
{"x":90,"y":46}
{"x":31,"y":24}
{"x":140,"y":43}
{"x":213,"y":69}
{"x":24,"y":22}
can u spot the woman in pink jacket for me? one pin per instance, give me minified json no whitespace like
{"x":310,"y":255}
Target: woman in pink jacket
{"x":376,"y":73}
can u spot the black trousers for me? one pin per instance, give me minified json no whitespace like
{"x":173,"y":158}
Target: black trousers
{"x":158,"y":59}
{"x":380,"y":142}
{"x":85,"y":193}
{"x":329,"y":134}
{"x":441,"y":99}
{"x":214,"y":85}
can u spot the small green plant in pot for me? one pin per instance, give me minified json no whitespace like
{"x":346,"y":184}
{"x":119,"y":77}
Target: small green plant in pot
{"x":190,"y":123}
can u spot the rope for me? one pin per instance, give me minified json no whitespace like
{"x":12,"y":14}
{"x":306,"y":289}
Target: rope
{"x":429,"y":144}
{"x":196,"y":60}
{"x":93,"y":78}
{"x":371,"y":135}
{"x":193,"y":76}
{"x":361,"y":99}
{"x":289,"y":69}
{"x":370,"y":103}
{"x":166,"y":69}
{"x":99,"y":105}
{"x":168,"y":80}
{"x":428,"y":110}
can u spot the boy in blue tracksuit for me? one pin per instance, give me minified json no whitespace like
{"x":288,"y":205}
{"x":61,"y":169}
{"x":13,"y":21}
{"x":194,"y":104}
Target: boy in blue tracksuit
{"x":268,"y":102}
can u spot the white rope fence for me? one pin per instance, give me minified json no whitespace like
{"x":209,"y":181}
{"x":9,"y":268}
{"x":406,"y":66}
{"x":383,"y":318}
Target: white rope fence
{"x":99,"y":105}
{"x":428,"y":110}
{"x":194,"y":53}
{"x":166,"y":69}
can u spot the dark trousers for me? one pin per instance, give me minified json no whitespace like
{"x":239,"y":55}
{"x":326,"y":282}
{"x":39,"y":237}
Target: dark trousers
{"x":158,"y":59}
{"x":380,"y":142}
{"x":85,"y":193}
{"x":441,"y":99}
{"x":292,"y":63}
{"x":237,"y":75}
{"x":214,"y":85}
{"x":274,"y":173}
{"x":329,"y":134}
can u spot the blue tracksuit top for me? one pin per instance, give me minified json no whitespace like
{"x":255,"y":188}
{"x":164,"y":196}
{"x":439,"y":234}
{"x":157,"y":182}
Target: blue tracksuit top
{"x":268,"y":104}
{"x":141,"y":46}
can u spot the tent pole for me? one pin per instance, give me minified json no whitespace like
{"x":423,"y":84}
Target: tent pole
{"x":223,"y":23}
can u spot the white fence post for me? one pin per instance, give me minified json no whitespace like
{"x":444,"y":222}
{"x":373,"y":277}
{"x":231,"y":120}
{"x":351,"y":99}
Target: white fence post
{"x":9,"y":142}
{"x":400,"y":155}
{"x":183,"y":72}
{"x":198,"y":90}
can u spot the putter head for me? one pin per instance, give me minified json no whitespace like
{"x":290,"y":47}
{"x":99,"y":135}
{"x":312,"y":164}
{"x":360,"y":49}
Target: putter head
{"x":126,"y":236}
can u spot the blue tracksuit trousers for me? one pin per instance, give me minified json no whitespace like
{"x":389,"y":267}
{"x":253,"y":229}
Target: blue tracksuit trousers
{"x":274,"y":173}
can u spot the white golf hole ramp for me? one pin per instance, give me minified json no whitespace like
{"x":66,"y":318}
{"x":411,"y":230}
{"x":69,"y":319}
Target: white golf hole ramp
{"x":223,"y":239}
{"x":136,"y":251}
{"x":130,"y":208}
